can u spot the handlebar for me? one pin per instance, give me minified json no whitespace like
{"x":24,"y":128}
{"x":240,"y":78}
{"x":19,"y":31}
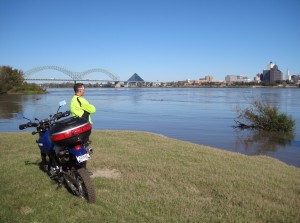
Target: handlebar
{"x":45,"y":123}
{"x":27,"y":125}
{"x":67,"y":113}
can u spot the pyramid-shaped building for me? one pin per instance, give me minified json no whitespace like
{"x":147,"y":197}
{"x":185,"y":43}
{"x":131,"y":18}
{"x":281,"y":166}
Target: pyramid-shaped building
{"x":135,"y":78}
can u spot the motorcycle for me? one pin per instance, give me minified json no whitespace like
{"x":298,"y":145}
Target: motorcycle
{"x":65,"y":150}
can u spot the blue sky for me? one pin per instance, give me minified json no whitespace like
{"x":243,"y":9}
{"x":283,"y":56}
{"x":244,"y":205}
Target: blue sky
{"x":165,"y":40}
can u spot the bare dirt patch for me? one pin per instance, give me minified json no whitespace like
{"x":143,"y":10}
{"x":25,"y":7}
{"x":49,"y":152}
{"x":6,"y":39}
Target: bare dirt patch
{"x":26,"y":210}
{"x":107,"y":173}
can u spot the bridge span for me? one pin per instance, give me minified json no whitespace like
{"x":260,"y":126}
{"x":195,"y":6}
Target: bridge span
{"x":68,"y":80}
{"x":75,"y":76}
{"x":75,"y":81}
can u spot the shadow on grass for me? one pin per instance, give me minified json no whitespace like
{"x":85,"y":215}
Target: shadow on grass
{"x":37,"y":163}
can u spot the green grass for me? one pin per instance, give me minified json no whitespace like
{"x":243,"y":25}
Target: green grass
{"x":153,"y":179}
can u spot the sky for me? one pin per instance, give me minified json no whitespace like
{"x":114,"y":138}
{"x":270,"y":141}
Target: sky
{"x":160,"y":40}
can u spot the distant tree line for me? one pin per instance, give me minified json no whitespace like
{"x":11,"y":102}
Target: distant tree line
{"x":12,"y":81}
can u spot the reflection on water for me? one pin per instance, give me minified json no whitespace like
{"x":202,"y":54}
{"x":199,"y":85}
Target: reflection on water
{"x":258,"y":142}
{"x":13,"y":104}
{"x":10,"y":106}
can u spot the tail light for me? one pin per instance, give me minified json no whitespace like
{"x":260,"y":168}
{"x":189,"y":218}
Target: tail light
{"x":77,"y":147}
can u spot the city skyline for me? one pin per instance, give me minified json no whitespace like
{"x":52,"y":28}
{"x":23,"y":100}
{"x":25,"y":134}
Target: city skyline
{"x":35,"y":73}
{"x":159,"y":40}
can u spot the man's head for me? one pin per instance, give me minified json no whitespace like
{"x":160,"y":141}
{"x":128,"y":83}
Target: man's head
{"x":79,"y":89}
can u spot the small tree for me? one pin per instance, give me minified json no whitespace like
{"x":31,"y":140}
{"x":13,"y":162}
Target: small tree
{"x":10,"y":78}
{"x":265,"y":117}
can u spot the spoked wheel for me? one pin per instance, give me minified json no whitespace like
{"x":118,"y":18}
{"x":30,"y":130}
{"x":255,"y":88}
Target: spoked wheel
{"x":79,"y":182}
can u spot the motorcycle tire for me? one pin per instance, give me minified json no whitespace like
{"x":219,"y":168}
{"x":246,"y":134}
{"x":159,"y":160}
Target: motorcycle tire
{"x":82,"y":185}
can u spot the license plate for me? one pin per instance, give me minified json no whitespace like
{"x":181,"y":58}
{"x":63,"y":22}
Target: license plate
{"x":83,"y":158}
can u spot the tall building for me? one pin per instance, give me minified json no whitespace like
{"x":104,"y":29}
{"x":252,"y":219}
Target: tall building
{"x":288,"y":77}
{"x":271,"y":74}
{"x":270,"y":66}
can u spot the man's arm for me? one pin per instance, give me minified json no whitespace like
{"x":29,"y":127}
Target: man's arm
{"x":85,"y":105}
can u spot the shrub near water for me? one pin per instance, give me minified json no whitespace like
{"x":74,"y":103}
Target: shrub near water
{"x":144,"y":177}
{"x":265,"y":117}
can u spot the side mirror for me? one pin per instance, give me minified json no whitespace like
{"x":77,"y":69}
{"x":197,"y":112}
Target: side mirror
{"x":62,"y":103}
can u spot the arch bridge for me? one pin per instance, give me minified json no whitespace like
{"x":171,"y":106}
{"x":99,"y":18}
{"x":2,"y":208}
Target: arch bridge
{"x":75,"y":76}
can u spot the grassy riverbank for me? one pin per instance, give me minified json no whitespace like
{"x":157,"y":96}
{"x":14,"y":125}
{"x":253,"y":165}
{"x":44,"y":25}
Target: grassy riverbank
{"x":143,"y":177}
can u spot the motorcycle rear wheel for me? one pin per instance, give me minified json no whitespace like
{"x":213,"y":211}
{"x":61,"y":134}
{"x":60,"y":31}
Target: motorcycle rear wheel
{"x":82,"y":185}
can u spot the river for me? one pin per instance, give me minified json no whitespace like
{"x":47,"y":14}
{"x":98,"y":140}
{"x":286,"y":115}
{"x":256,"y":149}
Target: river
{"x":200,"y":115}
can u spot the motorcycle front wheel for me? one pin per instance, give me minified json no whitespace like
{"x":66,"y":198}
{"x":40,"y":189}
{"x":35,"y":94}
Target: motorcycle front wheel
{"x":80,"y":183}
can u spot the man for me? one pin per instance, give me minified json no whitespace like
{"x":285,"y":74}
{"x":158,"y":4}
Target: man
{"x":80,"y":107}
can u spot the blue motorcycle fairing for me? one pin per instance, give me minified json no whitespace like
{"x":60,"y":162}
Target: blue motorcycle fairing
{"x":45,"y":143}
